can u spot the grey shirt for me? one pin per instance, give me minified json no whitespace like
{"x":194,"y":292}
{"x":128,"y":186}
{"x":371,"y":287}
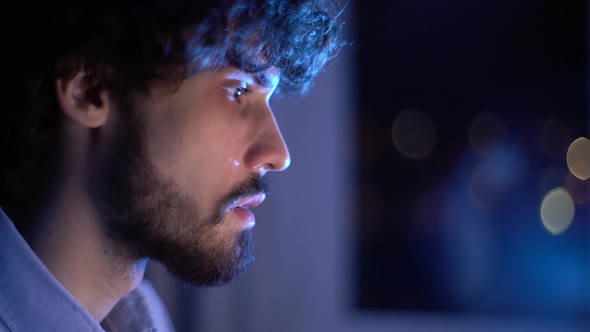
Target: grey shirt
{"x":31,"y":299}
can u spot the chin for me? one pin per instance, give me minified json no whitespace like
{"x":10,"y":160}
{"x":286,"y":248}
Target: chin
{"x":210,"y":263}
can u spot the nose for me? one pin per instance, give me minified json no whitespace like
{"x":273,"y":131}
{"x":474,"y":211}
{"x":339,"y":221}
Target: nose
{"x":268,"y":151}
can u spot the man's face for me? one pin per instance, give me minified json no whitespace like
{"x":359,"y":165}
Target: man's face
{"x":188,"y":168}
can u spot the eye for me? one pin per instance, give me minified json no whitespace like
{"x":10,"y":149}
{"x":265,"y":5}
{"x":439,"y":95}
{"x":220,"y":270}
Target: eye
{"x":237,"y":92}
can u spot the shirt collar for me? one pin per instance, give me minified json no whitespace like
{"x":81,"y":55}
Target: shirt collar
{"x":31,"y":299}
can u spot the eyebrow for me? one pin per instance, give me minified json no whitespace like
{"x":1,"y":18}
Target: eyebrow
{"x":264,"y":78}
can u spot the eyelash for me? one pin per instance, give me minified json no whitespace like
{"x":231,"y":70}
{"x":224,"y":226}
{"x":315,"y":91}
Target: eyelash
{"x":237,"y":92}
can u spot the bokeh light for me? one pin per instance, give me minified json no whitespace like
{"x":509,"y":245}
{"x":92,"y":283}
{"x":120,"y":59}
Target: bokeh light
{"x":414,"y":133}
{"x":557,"y":211}
{"x":578,"y":158}
{"x":486,"y":133}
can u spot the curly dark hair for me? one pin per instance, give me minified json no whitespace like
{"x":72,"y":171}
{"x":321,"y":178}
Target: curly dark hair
{"x":126,"y":46}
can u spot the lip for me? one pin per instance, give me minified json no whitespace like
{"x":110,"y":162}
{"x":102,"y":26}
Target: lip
{"x":241,"y":209}
{"x":249,"y":201}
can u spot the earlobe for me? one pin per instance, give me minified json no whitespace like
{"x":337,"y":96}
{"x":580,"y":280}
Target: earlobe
{"x":78,"y":105}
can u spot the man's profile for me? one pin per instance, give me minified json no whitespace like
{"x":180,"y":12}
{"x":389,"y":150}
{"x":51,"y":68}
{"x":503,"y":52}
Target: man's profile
{"x":137,"y":130}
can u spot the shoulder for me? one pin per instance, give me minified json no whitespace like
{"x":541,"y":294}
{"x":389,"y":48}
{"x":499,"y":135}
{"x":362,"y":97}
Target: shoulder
{"x":140,"y":310}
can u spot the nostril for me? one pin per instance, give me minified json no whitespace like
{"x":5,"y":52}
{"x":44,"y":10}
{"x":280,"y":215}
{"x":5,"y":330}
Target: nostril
{"x":279,"y":165}
{"x":281,"y":158}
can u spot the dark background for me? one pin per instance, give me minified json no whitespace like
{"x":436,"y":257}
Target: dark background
{"x":429,"y":239}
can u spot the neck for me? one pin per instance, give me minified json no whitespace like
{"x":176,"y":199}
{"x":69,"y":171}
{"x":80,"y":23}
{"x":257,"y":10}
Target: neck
{"x":70,"y":240}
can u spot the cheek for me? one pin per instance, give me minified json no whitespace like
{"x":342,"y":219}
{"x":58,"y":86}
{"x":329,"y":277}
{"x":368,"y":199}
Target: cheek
{"x":203,"y":162}
{"x":199,"y":149}
{"x":212,"y":159}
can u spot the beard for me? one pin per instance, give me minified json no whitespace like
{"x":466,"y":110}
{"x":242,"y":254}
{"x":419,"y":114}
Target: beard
{"x":149,"y":215}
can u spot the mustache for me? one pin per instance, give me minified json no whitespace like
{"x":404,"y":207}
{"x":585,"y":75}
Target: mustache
{"x":253,"y":186}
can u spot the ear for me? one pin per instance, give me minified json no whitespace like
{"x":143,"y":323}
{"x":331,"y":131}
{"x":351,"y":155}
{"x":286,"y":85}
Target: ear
{"x":75,"y":96}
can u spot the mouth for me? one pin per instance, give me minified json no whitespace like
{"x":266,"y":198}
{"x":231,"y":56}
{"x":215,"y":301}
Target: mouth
{"x":249,"y":201}
{"x":241,"y":209}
